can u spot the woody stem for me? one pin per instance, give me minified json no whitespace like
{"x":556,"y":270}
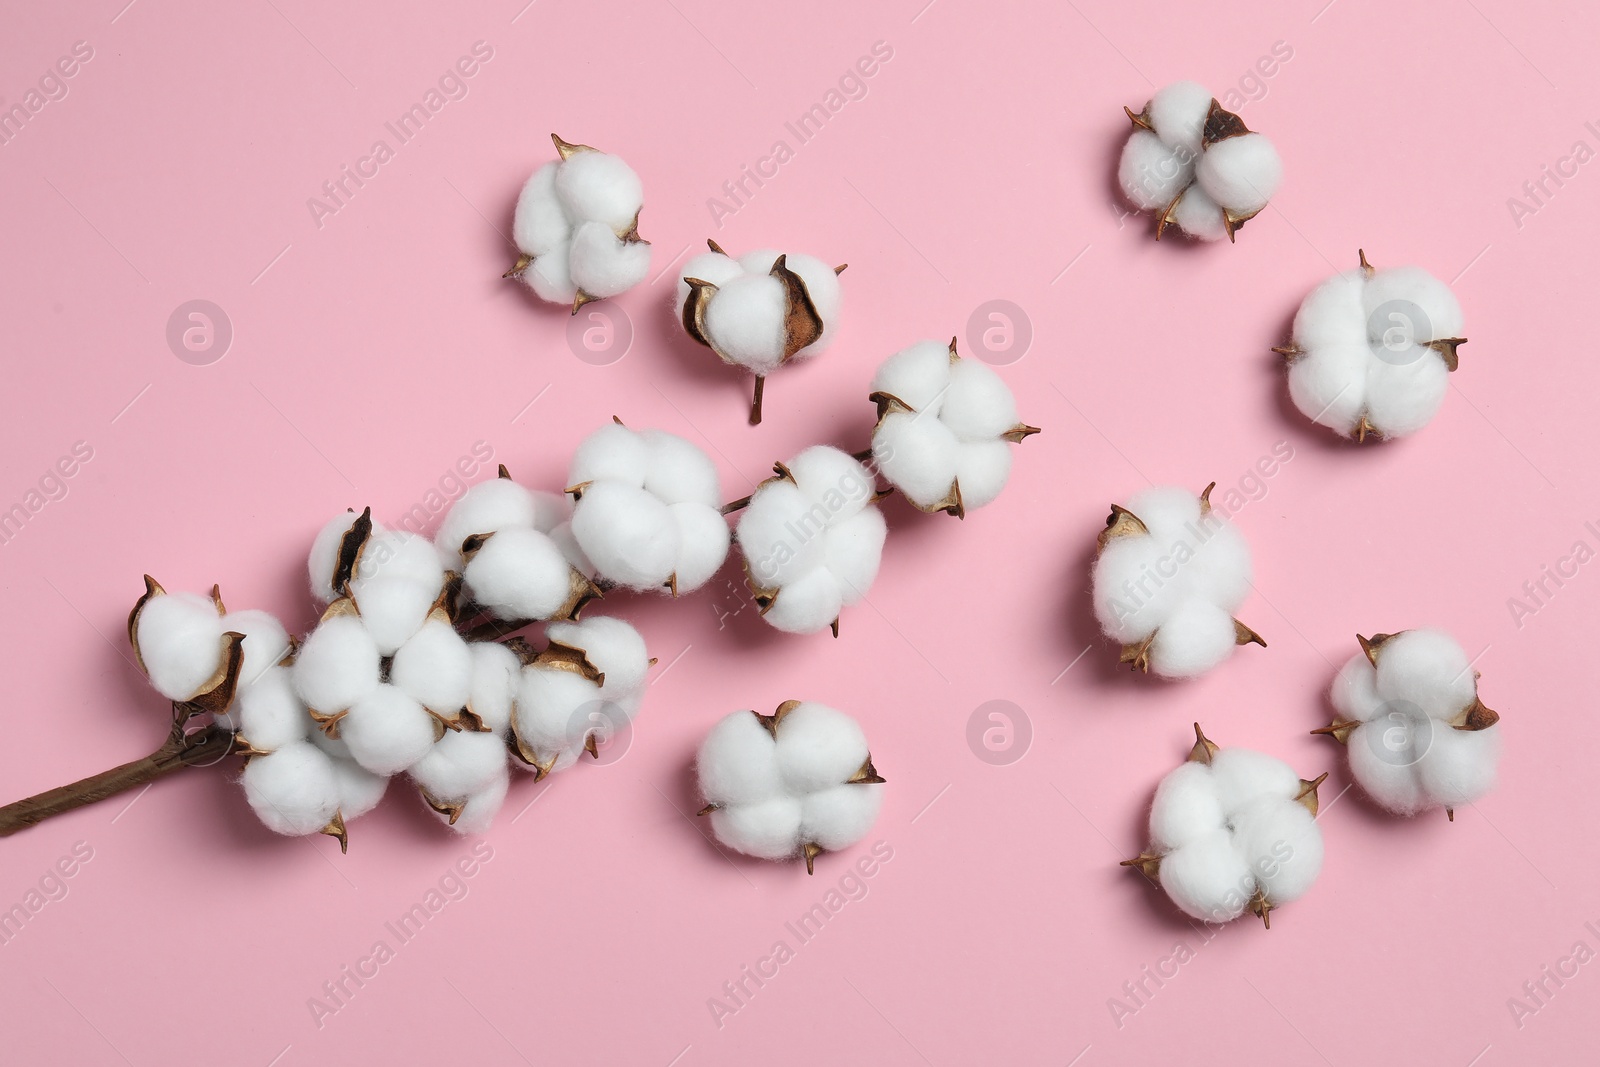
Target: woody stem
{"x":755,"y":403}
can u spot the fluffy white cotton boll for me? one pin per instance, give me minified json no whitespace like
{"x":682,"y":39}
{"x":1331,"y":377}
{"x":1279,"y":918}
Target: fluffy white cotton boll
{"x":703,"y":539}
{"x":435,"y":668}
{"x":738,"y":762}
{"x":613,"y":453}
{"x":628,"y":534}
{"x":494,"y":505}
{"x":837,"y":818}
{"x":359,"y":789}
{"x":391,"y":555}
{"x":1283,"y":846}
{"x":1243,"y":776}
{"x":713,"y":267}
{"x":519,"y":573}
{"x":602,"y":264}
{"x":1186,"y":807}
{"x":337,"y":665}
{"x":601,"y":187}
{"x":387,"y":730}
{"x":540,"y":224}
{"x":324,"y":557}
{"x":269,"y":714}
{"x":550,"y":276}
{"x":1207,"y":879}
{"x":614,"y":647}
{"x":1334,"y":313}
{"x":979,"y":405}
{"x":746,"y":320}
{"x":982,"y":469}
{"x":917,"y":454}
{"x":1328,"y":384}
{"x":552,"y":714}
{"x":293,"y":791}
{"x":679,"y":472}
{"x":853,"y":549}
{"x":266,"y":642}
{"x":1426,"y":668}
{"x":818,"y":747}
{"x":1199,"y":216}
{"x":392,"y":609}
{"x":807,"y":605}
{"x":478,"y":813}
{"x":1441,"y":312}
{"x":460,"y":764}
{"x":1153,"y":172}
{"x":766,"y":829}
{"x":1403,"y":398}
{"x":832,"y":478}
{"x":1195,"y":637}
{"x":779,"y":534}
{"x":919,"y":376}
{"x":496,"y":672}
{"x":1240,"y":173}
{"x":179,"y":638}
{"x":1178,"y":113}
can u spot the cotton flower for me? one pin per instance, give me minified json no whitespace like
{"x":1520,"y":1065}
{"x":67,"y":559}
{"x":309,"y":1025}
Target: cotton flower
{"x":798,"y":782}
{"x":1373,"y":351}
{"x":1232,"y":830}
{"x":944,"y":428}
{"x":498,"y":535}
{"x":1170,"y":572}
{"x":577,"y":228}
{"x":1197,"y":164}
{"x":1408,"y":712}
{"x":586,"y":685}
{"x":812,"y":540}
{"x":385,"y":670}
{"x":647,"y":512}
{"x":760,"y":311}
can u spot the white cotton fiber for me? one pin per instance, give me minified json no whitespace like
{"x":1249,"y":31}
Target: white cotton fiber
{"x":337,"y":665}
{"x":460,"y":764}
{"x":493,"y":505}
{"x":387,"y":730}
{"x":558,"y":707}
{"x":798,"y":782}
{"x":940,"y":415}
{"x":614,"y":647}
{"x":812,"y":540}
{"x":576,"y":226}
{"x":395,"y":555}
{"x":359,"y":789}
{"x":1196,"y":165}
{"x":647,"y":514}
{"x":495,"y":674}
{"x":179,"y":639}
{"x":434,"y":668}
{"x":266,"y":642}
{"x":392,"y":609}
{"x":293,"y":791}
{"x":519,"y":573}
{"x":324,"y":557}
{"x":1168,"y":593}
{"x":1362,"y":362}
{"x":1228,"y":833}
{"x":1421,"y":738}
{"x":269,"y":714}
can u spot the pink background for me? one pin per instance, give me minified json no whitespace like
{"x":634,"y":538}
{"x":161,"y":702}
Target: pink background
{"x":372,"y":352}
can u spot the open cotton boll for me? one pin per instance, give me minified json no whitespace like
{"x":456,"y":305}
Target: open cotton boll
{"x":1419,"y":737}
{"x":269,"y":713}
{"x":293,"y":791}
{"x":1232,"y":830}
{"x":1170,"y":570}
{"x":940,"y":416}
{"x":265,"y":644}
{"x":323,"y":561}
{"x":760,"y":311}
{"x":495,"y":674}
{"x":1372,"y":351}
{"x":387,"y":730}
{"x":798,"y":782}
{"x":1196,"y":165}
{"x":647,"y":512}
{"x":575,"y":695}
{"x":337,"y":665}
{"x":177,"y":638}
{"x":479,"y":809}
{"x":576,"y":227}
{"x":392,"y":555}
{"x":392,"y":609}
{"x":458,"y":768}
{"x":812,"y":540}
{"x":614,"y":647}
{"x":359,"y":789}
{"x":494,"y":505}
{"x":434,"y":667}
{"x":519,"y":573}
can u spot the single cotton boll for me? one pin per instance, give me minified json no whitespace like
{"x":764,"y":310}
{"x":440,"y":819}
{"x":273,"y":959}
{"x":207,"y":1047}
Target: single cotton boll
{"x":550,"y":276}
{"x":600,"y":186}
{"x":766,"y":829}
{"x":337,"y":665}
{"x":496,"y":672}
{"x":180,"y":643}
{"x":837,"y":818}
{"x":293,"y":791}
{"x":818,"y":747}
{"x":1186,"y":807}
{"x":612,"y":453}
{"x":1199,"y":216}
{"x":270,"y":715}
{"x":1426,"y":668}
{"x":602,"y":265}
{"x":393,"y":609}
{"x":1207,"y":879}
{"x":680,"y":472}
{"x":266,"y":642}
{"x":1178,"y":113}
{"x":519,"y":573}
{"x":460,"y":764}
{"x":435,"y":668}
{"x":540,"y":224}
{"x":918,"y":454}
{"x":387,"y":731}
{"x":324,"y":558}
{"x":483,"y":509}
{"x":629,"y":535}
{"x":738,"y":762}
{"x":548,"y":702}
{"x":614,"y":647}
{"x":918,"y":376}
{"x":1241,"y":173}
{"x":1153,"y":172}
{"x":780,"y":534}
{"x":746,"y":321}
{"x":359,"y":789}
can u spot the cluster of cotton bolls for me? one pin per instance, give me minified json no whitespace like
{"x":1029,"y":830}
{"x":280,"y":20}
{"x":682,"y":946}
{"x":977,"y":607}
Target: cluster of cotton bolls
{"x":647,"y":512}
{"x":1372,"y":351}
{"x":798,"y":782}
{"x":812,"y":539}
{"x":232,"y":664}
{"x":1197,"y":164}
{"x":1169,"y":574}
{"x":1418,"y":736}
{"x":760,"y":311}
{"x":577,"y":228}
{"x":1233,"y":830}
{"x":944,"y":428}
